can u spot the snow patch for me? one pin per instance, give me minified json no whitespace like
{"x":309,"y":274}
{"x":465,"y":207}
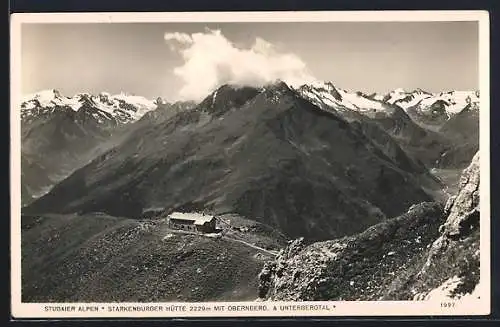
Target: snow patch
{"x":446,"y":289}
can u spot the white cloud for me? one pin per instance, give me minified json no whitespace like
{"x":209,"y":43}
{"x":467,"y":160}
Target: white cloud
{"x":211,"y":60}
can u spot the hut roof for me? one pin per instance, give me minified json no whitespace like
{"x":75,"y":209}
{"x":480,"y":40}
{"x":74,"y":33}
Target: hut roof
{"x":197,"y":218}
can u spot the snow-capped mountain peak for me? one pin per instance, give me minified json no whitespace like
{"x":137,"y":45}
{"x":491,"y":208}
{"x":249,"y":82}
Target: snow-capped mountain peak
{"x":123,"y":108}
{"x":49,"y":97}
{"x":327,"y":96}
{"x":451,"y":102}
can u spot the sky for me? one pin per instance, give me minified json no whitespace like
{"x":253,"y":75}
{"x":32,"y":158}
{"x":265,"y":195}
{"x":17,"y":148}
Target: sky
{"x":189,"y":60}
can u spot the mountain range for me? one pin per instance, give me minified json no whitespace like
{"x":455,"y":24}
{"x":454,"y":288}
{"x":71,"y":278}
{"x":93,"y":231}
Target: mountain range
{"x":248,"y":142}
{"x":104,"y":107}
{"x":315,"y":162}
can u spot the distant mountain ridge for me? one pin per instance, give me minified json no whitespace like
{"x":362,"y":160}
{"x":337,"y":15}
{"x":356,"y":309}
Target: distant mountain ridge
{"x":454,"y":100}
{"x":449,"y":103}
{"x":126,"y":108}
{"x":121,"y":108}
{"x":434,"y":109}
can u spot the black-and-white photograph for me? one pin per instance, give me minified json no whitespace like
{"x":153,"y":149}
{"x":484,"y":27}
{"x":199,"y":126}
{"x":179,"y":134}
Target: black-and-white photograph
{"x":193,"y":162}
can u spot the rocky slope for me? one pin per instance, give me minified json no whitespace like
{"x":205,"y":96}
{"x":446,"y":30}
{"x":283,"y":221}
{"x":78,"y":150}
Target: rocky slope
{"x":425,"y":253}
{"x":98,"y":258}
{"x":266,"y":154}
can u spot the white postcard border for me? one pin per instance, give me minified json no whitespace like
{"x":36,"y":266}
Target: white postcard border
{"x":336,"y":308}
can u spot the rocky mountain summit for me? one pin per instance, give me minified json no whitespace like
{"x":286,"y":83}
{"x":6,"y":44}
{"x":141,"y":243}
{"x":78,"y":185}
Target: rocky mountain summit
{"x":428,"y":252}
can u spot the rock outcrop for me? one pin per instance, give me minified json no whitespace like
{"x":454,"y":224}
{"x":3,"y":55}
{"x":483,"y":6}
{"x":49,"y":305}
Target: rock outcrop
{"x":463,"y":208}
{"x":452,"y":266}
